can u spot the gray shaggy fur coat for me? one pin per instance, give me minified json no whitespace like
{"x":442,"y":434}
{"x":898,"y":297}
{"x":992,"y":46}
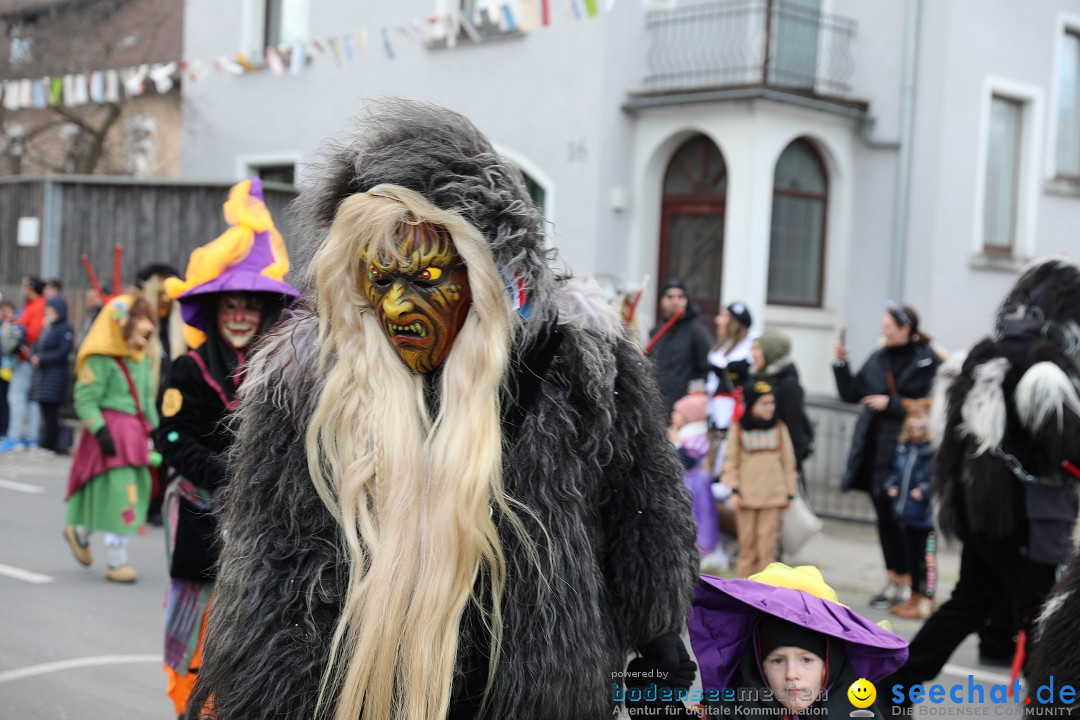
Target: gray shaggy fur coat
{"x":584,"y":449}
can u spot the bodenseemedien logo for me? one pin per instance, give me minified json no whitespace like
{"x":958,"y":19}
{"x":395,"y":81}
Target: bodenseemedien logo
{"x":1054,"y":699}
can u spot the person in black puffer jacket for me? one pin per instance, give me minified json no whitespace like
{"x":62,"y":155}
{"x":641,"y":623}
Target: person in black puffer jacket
{"x":52,"y":374}
{"x":771,"y":361}
{"x":904,"y":368}
{"x":680,"y":353}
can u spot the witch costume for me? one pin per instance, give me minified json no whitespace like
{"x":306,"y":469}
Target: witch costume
{"x":250,"y":259}
{"x":109,"y":481}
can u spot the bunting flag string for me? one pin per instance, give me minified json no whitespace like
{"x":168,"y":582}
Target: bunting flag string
{"x":111,"y":85}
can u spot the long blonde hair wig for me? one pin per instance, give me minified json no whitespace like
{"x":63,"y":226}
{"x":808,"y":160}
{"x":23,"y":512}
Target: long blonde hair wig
{"x":416,"y":496}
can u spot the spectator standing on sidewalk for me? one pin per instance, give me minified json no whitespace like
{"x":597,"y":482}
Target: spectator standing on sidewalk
{"x":760,"y":471}
{"x":10,"y":339}
{"x":771,"y":361}
{"x":25,"y":416}
{"x":678,"y":346}
{"x":52,"y":376}
{"x":910,"y":488}
{"x":903,"y":368}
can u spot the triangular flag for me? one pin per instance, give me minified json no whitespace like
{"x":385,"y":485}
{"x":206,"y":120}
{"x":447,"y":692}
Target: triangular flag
{"x":11,"y":95}
{"x":80,"y":89}
{"x":487,"y":23}
{"x":162,"y":76}
{"x":590,"y":7}
{"x":545,"y":12}
{"x":69,"y":90}
{"x":39,"y":100}
{"x":508,"y":16}
{"x":528,"y":16}
{"x":406,"y":32}
{"x":361,"y":43}
{"x":56,"y":91}
{"x":319,"y":47}
{"x":452,"y":30}
{"x":386,"y":43}
{"x":609,"y":5}
{"x":97,"y":86}
{"x":577,"y":10}
{"x":335,"y":49}
{"x":230,"y":65}
{"x":470,"y":29}
{"x":134,"y":80}
{"x":112,"y":86}
{"x":346,"y":47}
{"x":274,"y":61}
{"x":243,"y":61}
{"x":26,"y":93}
{"x":297,"y":59}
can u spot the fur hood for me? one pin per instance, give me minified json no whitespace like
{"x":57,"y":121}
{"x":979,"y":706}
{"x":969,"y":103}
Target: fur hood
{"x":441,"y":155}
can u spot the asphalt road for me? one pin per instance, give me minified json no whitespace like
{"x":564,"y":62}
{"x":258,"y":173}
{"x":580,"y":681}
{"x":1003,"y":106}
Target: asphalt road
{"x":73,"y":645}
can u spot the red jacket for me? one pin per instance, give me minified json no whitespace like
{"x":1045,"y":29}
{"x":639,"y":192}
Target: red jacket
{"x":32,"y":318}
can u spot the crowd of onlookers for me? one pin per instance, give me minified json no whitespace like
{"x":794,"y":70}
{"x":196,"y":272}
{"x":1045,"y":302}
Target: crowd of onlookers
{"x":741,"y":429}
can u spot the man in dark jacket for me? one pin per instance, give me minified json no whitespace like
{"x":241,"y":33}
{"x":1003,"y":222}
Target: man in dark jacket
{"x":678,"y":346}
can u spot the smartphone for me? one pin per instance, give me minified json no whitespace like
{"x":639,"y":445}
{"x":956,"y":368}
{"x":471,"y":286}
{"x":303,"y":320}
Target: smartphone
{"x":843,"y":337}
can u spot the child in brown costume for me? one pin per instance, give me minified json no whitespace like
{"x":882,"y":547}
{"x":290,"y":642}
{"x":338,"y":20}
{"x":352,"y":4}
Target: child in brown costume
{"x":760,"y":469}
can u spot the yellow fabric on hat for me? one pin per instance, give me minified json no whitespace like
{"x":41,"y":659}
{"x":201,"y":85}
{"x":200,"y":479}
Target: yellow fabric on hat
{"x":806,"y":578}
{"x":247,"y":216}
{"x":106,"y":335}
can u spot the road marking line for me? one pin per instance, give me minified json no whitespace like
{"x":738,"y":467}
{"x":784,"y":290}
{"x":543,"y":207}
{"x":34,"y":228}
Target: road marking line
{"x":963,"y":672}
{"x":24,"y":575}
{"x":21,"y":487}
{"x":44,"y":668}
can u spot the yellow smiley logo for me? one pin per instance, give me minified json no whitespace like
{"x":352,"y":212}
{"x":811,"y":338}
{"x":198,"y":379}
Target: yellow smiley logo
{"x":862,"y":693}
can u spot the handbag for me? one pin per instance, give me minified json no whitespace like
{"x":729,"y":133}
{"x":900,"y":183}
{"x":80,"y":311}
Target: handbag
{"x":798,"y":524}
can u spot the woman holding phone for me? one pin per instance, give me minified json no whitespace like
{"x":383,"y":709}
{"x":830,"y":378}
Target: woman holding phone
{"x":903,"y":368}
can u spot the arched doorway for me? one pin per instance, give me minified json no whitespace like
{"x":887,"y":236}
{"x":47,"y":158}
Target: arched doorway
{"x":692,"y":223}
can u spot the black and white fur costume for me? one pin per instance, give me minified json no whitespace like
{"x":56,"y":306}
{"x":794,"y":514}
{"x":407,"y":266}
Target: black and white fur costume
{"x":1007,"y":414}
{"x":584,"y":449}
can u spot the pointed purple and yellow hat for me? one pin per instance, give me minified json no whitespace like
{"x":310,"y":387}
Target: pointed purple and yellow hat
{"x":248,"y":257}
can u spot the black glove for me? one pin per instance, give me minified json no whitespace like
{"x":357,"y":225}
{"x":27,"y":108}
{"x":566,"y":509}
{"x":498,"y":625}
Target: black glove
{"x":667,"y":659}
{"x":105,"y":441}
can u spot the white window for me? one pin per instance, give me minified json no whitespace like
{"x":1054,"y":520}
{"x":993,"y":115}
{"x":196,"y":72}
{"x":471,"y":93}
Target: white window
{"x":287,"y":22}
{"x":1003,"y":161}
{"x":797,"y":234}
{"x":20,"y":48}
{"x":1067,"y":158}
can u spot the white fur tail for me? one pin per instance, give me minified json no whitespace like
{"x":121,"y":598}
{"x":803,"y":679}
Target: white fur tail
{"x":1044,"y":392}
{"x":582,"y":303}
{"x":939,"y":407}
{"x":984,"y":407}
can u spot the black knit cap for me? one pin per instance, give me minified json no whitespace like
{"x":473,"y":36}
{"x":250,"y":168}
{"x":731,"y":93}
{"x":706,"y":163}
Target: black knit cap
{"x":740,"y":312}
{"x":772,"y":632}
{"x":674,"y":283}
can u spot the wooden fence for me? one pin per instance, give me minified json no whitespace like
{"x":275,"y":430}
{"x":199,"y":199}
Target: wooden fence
{"x":155,"y":221}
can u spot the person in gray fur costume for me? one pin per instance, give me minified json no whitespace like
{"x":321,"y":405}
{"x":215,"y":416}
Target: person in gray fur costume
{"x":1006,"y":416}
{"x":452,"y":493}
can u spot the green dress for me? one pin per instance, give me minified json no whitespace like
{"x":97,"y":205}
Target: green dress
{"x":116,"y":500}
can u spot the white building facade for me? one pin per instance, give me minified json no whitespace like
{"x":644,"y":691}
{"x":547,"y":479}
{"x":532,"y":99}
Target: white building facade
{"x":812,"y":158}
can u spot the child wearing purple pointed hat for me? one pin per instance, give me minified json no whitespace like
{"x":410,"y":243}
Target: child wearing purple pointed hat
{"x":779,"y":644}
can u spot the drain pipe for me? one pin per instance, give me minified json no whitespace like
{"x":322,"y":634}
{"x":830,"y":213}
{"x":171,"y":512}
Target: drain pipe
{"x":903,"y":170}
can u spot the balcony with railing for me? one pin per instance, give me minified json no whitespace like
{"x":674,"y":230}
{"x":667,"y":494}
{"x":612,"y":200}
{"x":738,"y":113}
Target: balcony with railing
{"x":781,"y":45}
